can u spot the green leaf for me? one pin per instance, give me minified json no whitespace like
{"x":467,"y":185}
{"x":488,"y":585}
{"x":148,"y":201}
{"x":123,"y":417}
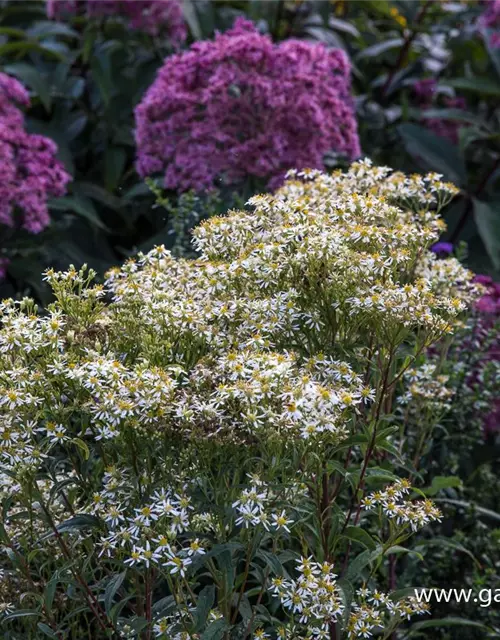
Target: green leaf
{"x":96,"y":192}
{"x":45,"y":28}
{"x":353,"y":441}
{"x":21,"y":613}
{"x":32,"y":77}
{"x":468,"y":135}
{"x":245,"y":609}
{"x":163,"y":607}
{"x":77,"y":523}
{"x":437,"y":154}
{"x":398,"y":550}
{"x":12,"y":32}
{"x":376,"y":475}
{"x":82,"y":446}
{"x":272,"y":561}
{"x":382,"y":7}
{"x":50,"y":591}
{"x":344,"y":26}
{"x":216,"y":630}
{"x":191,"y":18}
{"x":111,"y":590}
{"x":333,"y":466}
{"x":361,"y":561}
{"x":387,"y":431}
{"x":481,"y":511}
{"x":204,"y":604}
{"x":102,"y":77}
{"x":25,"y":47}
{"x":26,"y":10}
{"x":494,"y":52}
{"x":446,"y":542}
{"x":139,"y":624}
{"x":347,"y":594}
{"x":381,"y":47}
{"x":442,"y":482}
{"x":114,"y":164}
{"x":199,"y":17}
{"x":47,"y":631}
{"x":82,"y":521}
{"x":487,"y":217}
{"x":356,"y":534}
{"x":458,"y":115}
{"x":399,"y":594}
{"x":446,"y":622}
{"x":477,"y":84}
{"x":80,"y":205}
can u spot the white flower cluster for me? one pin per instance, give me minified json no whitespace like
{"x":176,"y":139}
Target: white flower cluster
{"x":149,"y":534}
{"x":116,"y":393}
{"x":29,"y":332}
{"x":313,"y":598}
{"x":254,"y":507}
{"x":394,"y":504}
{"x":243,"y":346}
{"x":426,"y":387}
{"x":303,"y":268}
{"x":11,"y":492}
{"x":173,"y":627}
{"x":325,"y":260}
{"x":447,"y":277}
{"x":376,"y":610}
{"x":262,"y":390}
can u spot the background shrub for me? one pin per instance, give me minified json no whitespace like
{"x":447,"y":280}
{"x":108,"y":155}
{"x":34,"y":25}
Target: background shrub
{"x":425,"y":83}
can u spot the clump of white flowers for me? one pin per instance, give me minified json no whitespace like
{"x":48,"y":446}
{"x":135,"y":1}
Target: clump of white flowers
{"x":272,"y":392}
{"x":392,"y":501}
{"x":256,"y":505}
{"x":376,"y":611}
{"x":313,"y":599}
{"x":426,"y":387}
{"x":172,"y":441}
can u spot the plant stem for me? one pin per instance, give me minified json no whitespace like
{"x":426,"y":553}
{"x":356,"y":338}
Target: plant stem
{"x":410,"y":37}
{"x":468,"y":207}
{"x":94,"y":605}
{"x":368,"y":455}
{"x":279,"y":15}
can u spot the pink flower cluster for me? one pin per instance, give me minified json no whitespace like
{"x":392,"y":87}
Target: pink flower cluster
{"x":242,"y":106}
{"x":155,"y":17}
{"x":425,"y":92}
{"x":489,"y":302}
{"x":4,"y":263}
{"x":29,"y":171}
{"x":488,"y":307}
{"x":490,"y":19}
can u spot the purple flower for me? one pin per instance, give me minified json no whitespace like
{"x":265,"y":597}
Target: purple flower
{"x":486,"y":342}
{"x":491,"y":424}
{"x":489,"y":21}
{"x":489,"y":302}
{"x":4,"y":263}
{"x":490,"y":18}
{"x":495,"y":40}
{"x":242,"y":106}
{"x":30,"y":174}
{"x":155,"y":17}
{"x":442,"y":248}
{"x":484,"y":280}
{"x":425,"y":91}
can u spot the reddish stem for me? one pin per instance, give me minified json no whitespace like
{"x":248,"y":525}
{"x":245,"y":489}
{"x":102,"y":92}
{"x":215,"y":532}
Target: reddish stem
{"x":406,"y":47}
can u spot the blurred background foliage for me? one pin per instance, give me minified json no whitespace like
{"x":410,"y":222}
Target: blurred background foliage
{"x":426,"y":81}
{"x":426,"y":84}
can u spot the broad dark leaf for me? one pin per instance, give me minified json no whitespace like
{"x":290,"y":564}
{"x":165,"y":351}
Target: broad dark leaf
{"x":433,"y":152}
